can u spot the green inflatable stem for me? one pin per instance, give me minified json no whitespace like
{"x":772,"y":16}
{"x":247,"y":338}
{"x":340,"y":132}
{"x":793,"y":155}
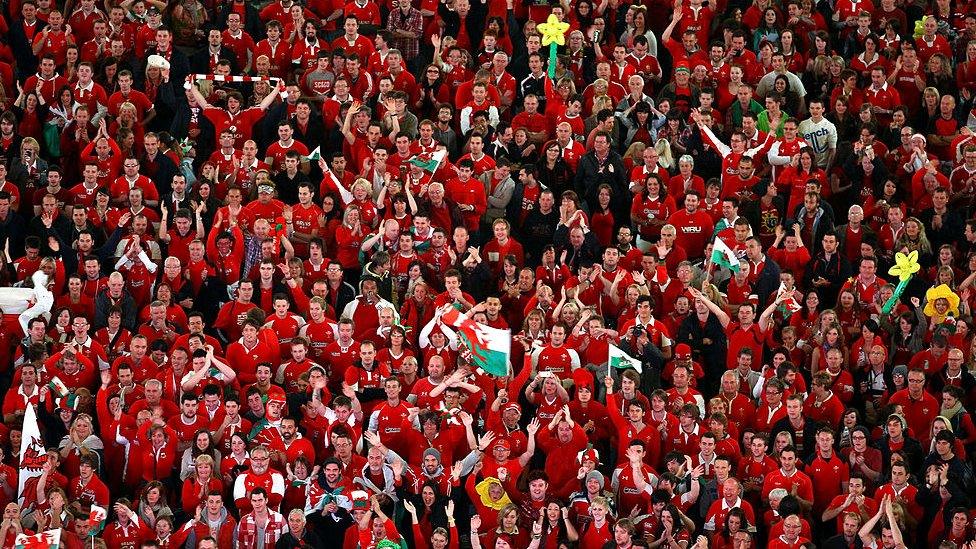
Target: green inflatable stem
{"x":552,"y":60}
{"x":890,"y":304}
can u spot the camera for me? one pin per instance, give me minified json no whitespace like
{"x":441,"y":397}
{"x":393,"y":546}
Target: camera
{"x":636,"y":331}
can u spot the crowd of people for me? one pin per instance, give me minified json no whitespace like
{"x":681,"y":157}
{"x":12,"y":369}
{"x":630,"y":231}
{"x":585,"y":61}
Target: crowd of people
{"x":271,"y":231}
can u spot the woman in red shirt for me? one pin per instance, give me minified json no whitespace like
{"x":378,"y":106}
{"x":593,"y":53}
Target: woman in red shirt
{"x":349,"y":238}
{"x":602,"y":221}
{"x":793,"y":179}
{"x":651,"y":208}
{"x":200,"y":483}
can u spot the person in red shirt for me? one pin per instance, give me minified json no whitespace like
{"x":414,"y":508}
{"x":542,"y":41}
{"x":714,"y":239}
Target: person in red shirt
{"x":791,"y":537}
{"x":188,"y":423}
{"x":235,"y":117}
{"x":632,"y":427}
{"x":694,"y":227}
{"x":823,"y":406}
{"x":254,"y":347}
{"x":87,"y":488}
{"x":530,"y":119}
{"x":789,"y":478}
{"x":259,"y":475}
{"x":854,"y":501}
{"x":53,"y":39}
{"x":469,"y":194}
{"x":827,"y":470}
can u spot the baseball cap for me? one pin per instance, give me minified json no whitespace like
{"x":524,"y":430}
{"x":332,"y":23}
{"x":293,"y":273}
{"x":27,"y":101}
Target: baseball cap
{"x":682,"y":351}
{"x":503,"y":443}
{"x":513,"y":406}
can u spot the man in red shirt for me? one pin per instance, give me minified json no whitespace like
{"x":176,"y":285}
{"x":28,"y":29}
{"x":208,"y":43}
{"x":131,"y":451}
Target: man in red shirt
{"x":789,"y":478}
{"x":87,"y":487}
{"x":918,"y":405}
{"x":694,"y":227}
{"x":53,"y":39}
{"x":352,"y":42}
{"x":469,"y":194}
{"x":47,"y":82}
{"x":530,"y":119}
{"x":188,"y":422}
{"x":235,"y":117}
{"x":883,"y":98}
{"x":259,"y":475}
{"x":828,"y":472}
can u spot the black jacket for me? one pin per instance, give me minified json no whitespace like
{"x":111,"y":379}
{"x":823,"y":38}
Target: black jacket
{"x":200,"y":61}
{"x":538,"y":230}
{"x":588,"y":252}
{"x":590,"y":175}
{"x":308,"y":539}
{"x":767,"y":282}
{"x":912,"y":450}
{"x":712,"y":353}
{"x":103,"y":304}
{"x":835,"y":271}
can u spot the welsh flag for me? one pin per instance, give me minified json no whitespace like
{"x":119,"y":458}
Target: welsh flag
{"x":58,"y":387}
{"x":50,"y":539}
{"x":33,"y":456}
{"x":789,"y":305}
{"x":621,"y":360}
{"x":429,"y":162}
{"x":315,"y":154}
{"x":723,"y":256}
{"x":490,"y":347}
{"x":97,"y":517}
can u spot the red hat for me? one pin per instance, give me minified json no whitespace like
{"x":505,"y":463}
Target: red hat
{"x":503,"y":443}
{"x":682,"y":351}
{"x":360,"y":500}
{"x":276,"y":394}
{"x":589,"y":455}
{"x":682,"y":66}
{"x":583,"y":378}
{"x":512,"y":406}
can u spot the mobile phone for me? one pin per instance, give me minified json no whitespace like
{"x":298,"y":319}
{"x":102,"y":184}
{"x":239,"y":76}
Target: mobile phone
{"x":596,"y":36}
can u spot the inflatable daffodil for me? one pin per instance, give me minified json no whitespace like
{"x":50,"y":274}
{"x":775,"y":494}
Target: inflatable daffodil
{"x":905,"y":265}
{"x":553,"y":34}
{"x":941,"y":302}
{"x":905,"y":268}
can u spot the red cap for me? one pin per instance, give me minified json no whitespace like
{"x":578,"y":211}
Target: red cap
{"x":682,"y":350}
{"x":276,"y":394}
{"x":503,"y":443}
{"x":512,"y":406}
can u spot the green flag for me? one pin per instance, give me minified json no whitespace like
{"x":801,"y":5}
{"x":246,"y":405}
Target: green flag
{"x":621,"y":360}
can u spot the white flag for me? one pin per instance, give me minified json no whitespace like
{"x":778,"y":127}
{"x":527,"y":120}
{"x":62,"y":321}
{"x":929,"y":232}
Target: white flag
{"x":33,"y":456}
{"x":621,"y":360}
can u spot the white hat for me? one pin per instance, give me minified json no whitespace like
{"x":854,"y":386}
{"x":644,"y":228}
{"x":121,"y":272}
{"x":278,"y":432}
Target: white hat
{"x":158,"y":61}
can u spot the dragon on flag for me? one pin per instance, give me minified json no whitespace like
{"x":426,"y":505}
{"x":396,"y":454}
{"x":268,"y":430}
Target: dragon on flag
{"x":490,"y":348}
{"x":33,"y":457}
{"x":50,"y":539}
